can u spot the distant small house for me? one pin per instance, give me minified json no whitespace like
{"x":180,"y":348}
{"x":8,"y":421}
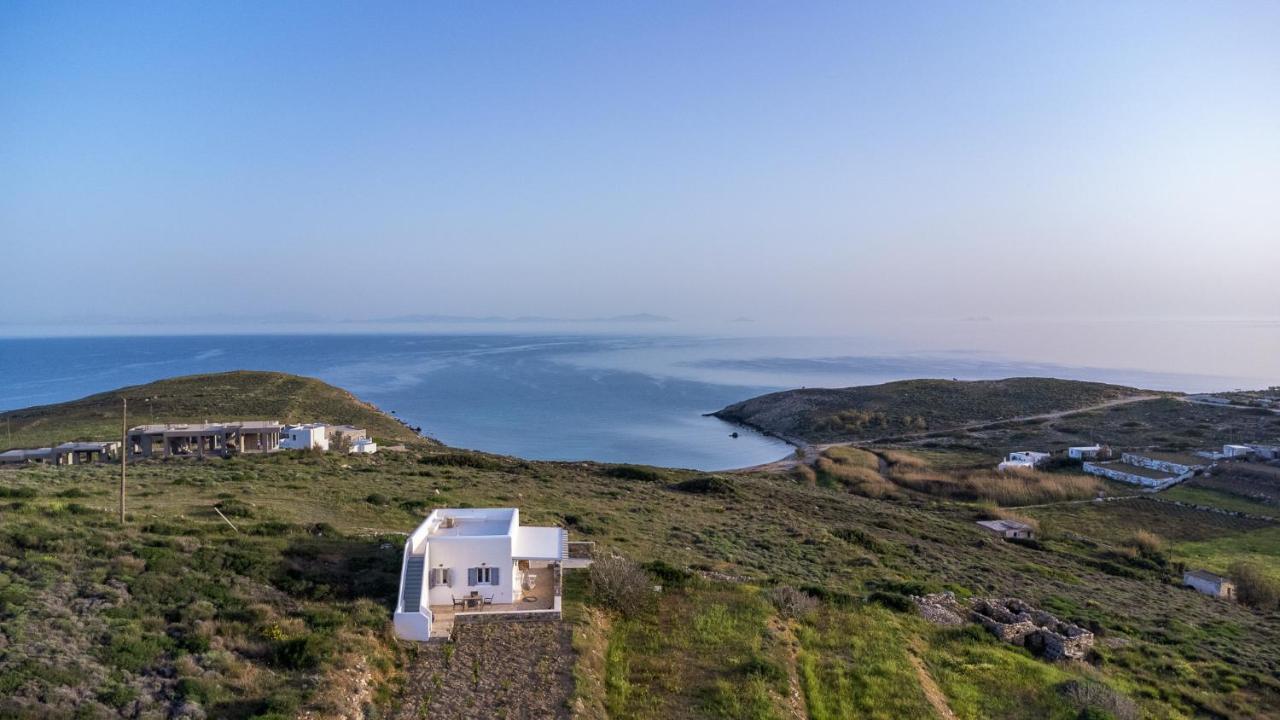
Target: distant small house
{"x":363,"y":447}
{"x":311,"y":436}
{"x":1085,"y":452}
{"x":68,"y":453}
{"x":1209,"y":584}
{"x":1022,"y":460}
{"x":1236,"y":451}
{"x":349,"y":433}
{"x":1008,"y":529}
{"x":79,"y":453}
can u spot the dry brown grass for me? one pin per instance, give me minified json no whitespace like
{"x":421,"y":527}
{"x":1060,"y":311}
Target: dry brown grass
{"x":1146,"y":542}
{"x":858,"y":480}
{"x":904,"y":460}
{"x":853,"y":457}
{"x":1008,"y":489}
{"x":855,"y":469}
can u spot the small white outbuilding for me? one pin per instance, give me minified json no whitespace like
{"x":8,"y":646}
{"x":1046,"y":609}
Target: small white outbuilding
{"x":1084,"y":452}
{"x":1023,"y":460}
{"x":311,"y":436}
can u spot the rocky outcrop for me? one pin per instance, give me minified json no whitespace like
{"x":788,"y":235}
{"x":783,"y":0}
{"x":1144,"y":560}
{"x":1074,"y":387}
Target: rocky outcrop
{"x":1013,"y":621}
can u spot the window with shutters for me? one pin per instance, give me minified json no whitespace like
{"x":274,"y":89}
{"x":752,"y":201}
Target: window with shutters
{"x":484,"y":576}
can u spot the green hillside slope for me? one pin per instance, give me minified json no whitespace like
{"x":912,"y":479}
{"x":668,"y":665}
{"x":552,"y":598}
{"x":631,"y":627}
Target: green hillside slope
{"x":239,"y":395}
{"x":912,"y":406}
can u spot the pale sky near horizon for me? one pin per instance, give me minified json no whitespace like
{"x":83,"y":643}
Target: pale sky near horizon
{"x":832,"y":161}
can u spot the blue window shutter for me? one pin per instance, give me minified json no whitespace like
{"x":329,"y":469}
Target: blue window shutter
{"x":494,"y":576}
{"x":471,"y":576}
{"x":448,"y":577}
{"x":431,"y":578}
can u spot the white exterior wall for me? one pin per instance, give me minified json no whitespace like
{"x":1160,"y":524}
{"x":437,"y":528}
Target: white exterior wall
{"x":1154,"y":464}
{"x":1035,"y":458}
{"x":1083,"y":453}
{"x":1205,"y":586}
{"x":304,"y":438}
{"x":1236,"y":450}
{"x":1114,"y":473}
{"x":461,"y":553}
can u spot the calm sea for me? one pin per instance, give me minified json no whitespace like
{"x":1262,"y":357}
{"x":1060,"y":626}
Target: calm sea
{"x":562,"y":397}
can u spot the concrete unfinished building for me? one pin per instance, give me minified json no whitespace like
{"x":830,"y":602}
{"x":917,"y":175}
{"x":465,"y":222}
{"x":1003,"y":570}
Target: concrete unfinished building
{"x":201,"y":439}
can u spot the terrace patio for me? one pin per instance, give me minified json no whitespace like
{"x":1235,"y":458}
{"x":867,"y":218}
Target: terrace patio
{"x":539,"y":595}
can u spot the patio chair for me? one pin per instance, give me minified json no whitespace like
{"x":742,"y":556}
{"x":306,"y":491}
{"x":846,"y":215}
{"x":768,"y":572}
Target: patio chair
{"x":488,"y":599}
{"x":459,"y":602}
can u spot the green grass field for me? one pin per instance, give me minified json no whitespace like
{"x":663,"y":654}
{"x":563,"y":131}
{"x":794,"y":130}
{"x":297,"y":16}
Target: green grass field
{"x":291,"y":612}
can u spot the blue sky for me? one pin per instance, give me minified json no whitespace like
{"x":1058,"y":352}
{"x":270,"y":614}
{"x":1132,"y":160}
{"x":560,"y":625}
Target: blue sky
{"x":822,"y":163}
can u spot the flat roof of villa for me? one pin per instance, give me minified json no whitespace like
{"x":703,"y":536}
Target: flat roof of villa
{"x":207,"y":427}
{"x":473,"y":522}
{"x":1004,"y":525}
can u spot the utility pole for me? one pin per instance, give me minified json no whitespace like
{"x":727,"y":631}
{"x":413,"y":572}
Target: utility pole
{"x":124,"y":450}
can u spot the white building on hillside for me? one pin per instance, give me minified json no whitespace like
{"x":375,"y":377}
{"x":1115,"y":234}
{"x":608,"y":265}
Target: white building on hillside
{"x":461,"y":564}
{"x":311,"y":436}
{"x":1085,"y":452}
{"x":363,"y":446}
{"x":1023,"y":460}
{"x":1209,"y":584}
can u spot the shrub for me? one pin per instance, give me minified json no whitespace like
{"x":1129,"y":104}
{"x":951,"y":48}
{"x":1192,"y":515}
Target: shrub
{"x":474,"y":461}
{"x":1254,"y":587}
{"x":18,"y":492}
{"x":1146,"y":543}
{"x":791,"y":602}
{"x":891,"y":600}
{"x":706,"y":485}
{"x":235,"y":508}
{"x":634,"y":472}
{"x":1097,"y":700}
{"x":377,"y":499}
{"x":669,"y":575}
{"x":620,"y":584}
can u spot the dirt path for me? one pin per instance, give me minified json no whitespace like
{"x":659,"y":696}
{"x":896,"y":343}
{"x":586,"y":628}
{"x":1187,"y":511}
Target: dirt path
{"x":808,"y":453}
{"x":932,"y":692}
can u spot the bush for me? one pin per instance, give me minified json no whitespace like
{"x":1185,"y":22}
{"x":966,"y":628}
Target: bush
{"x":377,"y":499}
{"x":634,"y":472}
{"x":235,"y":508}
{"x":892,"y":600}
{"x":669,"y":575}
{"x":706,"y":485}
{"x":18,"y":492}
{"x":474,"y":461}
{"x":1146,"y":543}
{"x":1097,"y":701}
{"x":1254,"y":587}
{"x":791,"y":602}
{"x":620,"y":584}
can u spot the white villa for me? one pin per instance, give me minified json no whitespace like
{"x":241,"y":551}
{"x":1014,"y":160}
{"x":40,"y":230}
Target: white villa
{"x":324,"y":437}
{"x":473,"y":564}
{"x":311,"y":436}
{"x":1022,"y":460}
{"x":1084,"y":452}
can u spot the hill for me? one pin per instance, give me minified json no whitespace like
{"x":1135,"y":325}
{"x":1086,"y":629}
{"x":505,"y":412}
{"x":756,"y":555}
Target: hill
{"x":912,"y":406}
{"x":238,"y":395}
{"x":783,"y":596}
